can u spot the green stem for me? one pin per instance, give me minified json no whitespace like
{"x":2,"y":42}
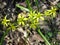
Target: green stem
{"x":2,"y":39}
{"x":36,"y":3}
{"x":28,"y":5}
{"x":40,"y":33}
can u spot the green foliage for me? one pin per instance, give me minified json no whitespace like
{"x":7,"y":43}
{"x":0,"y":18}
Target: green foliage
{"x":58,"y":5}
{"x":2,"y":39}
{"x":37,"y":4}
{"x":28,"y":4}
{"x":48,"y":35}
{"x":32,"y":18}
{"x":22,"y":8}
{"x":45,"y":39}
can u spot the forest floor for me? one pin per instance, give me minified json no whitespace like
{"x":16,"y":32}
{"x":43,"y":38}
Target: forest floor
{"x":8,"y":7}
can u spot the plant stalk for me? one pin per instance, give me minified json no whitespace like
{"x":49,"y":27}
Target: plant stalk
{"x":2,"y":39}
{"x":40,"y":33}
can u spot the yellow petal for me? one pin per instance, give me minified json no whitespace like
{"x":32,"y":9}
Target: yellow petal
{"x":42,"y":18}
{"x":19,"y":15}
{"x":25,"y":19}
{"x":23,"y":23}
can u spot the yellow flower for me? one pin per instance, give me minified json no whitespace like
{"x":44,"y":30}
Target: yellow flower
{"x":21,"y":19}
{"x":5,"y":22}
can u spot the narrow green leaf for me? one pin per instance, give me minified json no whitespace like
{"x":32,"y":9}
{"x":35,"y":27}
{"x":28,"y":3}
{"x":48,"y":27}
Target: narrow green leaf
{"x":40,"y":33}
{"x":22,"y":8}
{"x":36,"y":3}
{"x":28,"y":4}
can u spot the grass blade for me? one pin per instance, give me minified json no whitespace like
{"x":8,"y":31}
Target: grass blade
{"x":40,"y":33}
{"x":22,"y":8}
{"x":36,"y":3}
{"x":28,"y":5}
{"x":2,"y":39}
